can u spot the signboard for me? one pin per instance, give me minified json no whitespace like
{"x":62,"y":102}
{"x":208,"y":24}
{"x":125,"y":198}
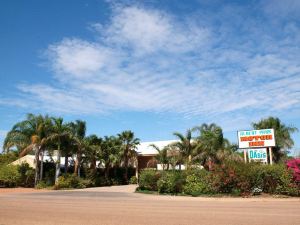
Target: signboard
{"x":258,"y":155}
{"x":256,"y":138}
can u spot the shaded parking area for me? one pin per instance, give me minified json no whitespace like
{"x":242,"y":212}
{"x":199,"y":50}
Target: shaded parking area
{"x":119,"y":205}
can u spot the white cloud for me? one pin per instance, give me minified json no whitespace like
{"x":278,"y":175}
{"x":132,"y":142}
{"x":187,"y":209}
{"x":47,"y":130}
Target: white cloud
{"x":78,"y":57}
{"x":148,"y":60}
{"x":147,"y":31}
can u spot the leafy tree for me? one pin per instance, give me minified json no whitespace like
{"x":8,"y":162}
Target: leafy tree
{"x":128,"y":147}
{"x":283,"y":138}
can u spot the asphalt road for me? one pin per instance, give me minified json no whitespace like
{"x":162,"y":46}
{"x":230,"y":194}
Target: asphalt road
{"x":119,"y":205}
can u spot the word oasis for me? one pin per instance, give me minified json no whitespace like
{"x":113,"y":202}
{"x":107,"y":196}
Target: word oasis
{"x":258,"y":155}
{"x":256,"y":138}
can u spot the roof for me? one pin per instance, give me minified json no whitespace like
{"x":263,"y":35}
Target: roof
{"x":144,"y":148}
{"x":30,"y":159}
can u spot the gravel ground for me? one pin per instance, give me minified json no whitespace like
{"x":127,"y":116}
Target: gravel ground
{"x":119,"y":205}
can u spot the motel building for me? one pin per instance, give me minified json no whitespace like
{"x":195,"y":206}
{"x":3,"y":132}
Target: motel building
{"x":145,"y":157}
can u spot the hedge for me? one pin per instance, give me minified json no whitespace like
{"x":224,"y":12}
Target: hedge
{"x":229,"y":178}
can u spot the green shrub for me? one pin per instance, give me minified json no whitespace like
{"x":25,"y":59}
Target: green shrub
{"x":26,"y":175}
{"x":148,"y":180}
{"x":41,"y":185}
{"x":171,"y":182}
{"x":9,"y":176}
{"x":231,"y":178}
{"x":279,"y":180}
{"x":198,"y":183}
{"x":70,"y":181}
{"x":133,"y":180}
{"x":100,"y":181}
{"x":253,"y":178}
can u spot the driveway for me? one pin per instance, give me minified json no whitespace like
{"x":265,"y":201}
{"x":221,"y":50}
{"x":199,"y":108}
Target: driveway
{"x":119,"y":205}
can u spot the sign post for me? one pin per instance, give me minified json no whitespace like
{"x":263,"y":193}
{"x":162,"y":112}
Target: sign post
{"x":271,"y":156}
{"x":245,"y":156}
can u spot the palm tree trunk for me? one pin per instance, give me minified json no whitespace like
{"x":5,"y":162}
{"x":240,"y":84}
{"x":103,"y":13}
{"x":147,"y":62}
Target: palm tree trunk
{"x":209,"y":164}
{"x":66,"y":163}
{"x":37,"y":154}
{"x":57,"y":171}
{"x":42,"y":165}
{"x":106,"y":172}
{"x":126,"y":169}
{"x":77,"y":164}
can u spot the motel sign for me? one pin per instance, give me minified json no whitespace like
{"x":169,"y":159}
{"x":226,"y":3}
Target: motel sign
{"x":256,"y":138}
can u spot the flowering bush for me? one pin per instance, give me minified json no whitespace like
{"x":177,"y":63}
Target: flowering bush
{"x":294,"y":165}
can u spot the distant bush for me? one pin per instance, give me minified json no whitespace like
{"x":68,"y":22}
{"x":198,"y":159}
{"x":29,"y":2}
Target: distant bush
{"x":171,"y":182}
{"x":148,"y":180}
{"x":41,"y":185}
{"x":71,"y":181}
{"x":133,"y":180}
{"x":26,"y":175}
{"x":9,"y":176}
{"x":198,"y":183}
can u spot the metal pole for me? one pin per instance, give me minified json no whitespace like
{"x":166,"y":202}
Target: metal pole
{"x":245,"y":156}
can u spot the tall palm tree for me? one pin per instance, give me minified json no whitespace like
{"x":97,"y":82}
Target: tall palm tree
{"x":128,"y":147}
{"x":58,"y":132}
{"x":78,"y":130}
{"x":29,"y":134}
{"x":283,"y":133}
{"x":186,"y":146}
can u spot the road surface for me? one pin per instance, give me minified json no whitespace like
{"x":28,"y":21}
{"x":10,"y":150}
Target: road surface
{"x":119,"y":205}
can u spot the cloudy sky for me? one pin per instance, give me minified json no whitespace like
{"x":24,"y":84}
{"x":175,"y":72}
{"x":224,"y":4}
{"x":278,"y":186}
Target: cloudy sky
{"x":151,"y":66}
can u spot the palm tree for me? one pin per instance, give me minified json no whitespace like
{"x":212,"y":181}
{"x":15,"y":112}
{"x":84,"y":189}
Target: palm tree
{"x":128,"y":147}
{"x":162,"y":156}
{"x":185,"y":145}
{"x":110,"y":153}
{"x":283,"y":137}
{"x":92,"y":147}
{"x":59,"y":131}
{"x":29,"y":135}
{"x":78,"y":130}
{"x":209,"y":144}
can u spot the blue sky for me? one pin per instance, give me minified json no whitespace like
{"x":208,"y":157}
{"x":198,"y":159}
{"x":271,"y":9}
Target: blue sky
{"x":154,"y":67}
